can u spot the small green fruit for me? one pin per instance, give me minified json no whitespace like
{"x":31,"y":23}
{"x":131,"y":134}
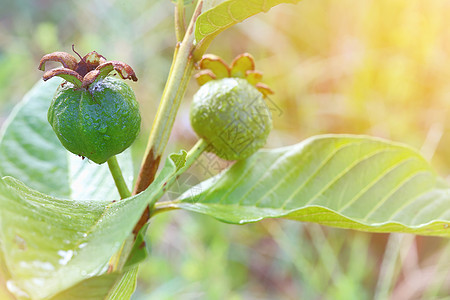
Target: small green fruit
{"x":232,"y":116}
{"x":96,"y":122}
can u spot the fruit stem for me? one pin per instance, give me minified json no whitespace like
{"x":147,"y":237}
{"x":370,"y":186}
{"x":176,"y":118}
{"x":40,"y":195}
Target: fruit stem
{"x":116,"y":173}
{"x":194,"y":153}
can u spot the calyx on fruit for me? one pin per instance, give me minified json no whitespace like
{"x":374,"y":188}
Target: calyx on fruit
{"x":229,"y":111}
{"x":93,"y":115}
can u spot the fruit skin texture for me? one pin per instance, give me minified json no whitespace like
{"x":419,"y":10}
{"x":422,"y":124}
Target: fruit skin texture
{"x":97,"y":122}
{"x":232,"y":116}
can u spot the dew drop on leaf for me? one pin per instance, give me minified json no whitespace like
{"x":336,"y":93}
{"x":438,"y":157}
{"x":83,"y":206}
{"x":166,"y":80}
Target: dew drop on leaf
{"x":14,"y":289}
{"x":66,"y":256}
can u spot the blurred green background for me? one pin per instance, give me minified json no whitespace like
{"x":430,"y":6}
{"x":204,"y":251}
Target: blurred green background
{"x":376,"y":67}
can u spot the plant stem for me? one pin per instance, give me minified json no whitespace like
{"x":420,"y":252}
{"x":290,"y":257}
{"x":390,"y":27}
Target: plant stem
{"x":174,"y":90}
{"x":180,"y":22}
{"x":179,"y":76}
{"x":191,"y":157}
{"x":194,"y":154}
{"x":161,"y":207}
{"x":116,"y":173}
{"x":118,"y":260}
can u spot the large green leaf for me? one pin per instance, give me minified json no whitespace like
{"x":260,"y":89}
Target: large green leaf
{"x":51,"y":244}
{"x":124,"y":288}
{"x":226,"y":14}
{"x":31,"y":152}
{"x":337,"y":180}
{"x":95,"y":288}
{"x":99,"y":288}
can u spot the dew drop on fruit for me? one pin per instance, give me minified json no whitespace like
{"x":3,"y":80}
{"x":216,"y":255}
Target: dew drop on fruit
{"x":103,"y":128}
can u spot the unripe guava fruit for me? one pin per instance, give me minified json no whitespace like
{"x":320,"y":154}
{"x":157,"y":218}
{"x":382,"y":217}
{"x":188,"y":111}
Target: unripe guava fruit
{"x":231,"y":115}
{"x":95,"y":122}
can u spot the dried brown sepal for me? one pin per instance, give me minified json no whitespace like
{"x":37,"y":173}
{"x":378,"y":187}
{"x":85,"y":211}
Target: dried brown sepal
{"x":124,"y":70}
{"x":204,"y":76}
{"x":90,"y":68}
{"x":89,"y":62}
{"x":90,"y":77}
{"x":67,"y":60}
{"x":94,"y":59}
{"x":67,"y":74}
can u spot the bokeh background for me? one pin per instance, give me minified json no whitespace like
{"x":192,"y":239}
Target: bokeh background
{"x":375,"y":67}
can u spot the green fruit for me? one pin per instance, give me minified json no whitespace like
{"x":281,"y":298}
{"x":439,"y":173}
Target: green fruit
{"x":98,"y":122}
{"x":232,"y":116}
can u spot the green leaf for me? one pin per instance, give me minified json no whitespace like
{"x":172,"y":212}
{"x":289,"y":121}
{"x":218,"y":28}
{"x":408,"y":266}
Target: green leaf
{"x":139,"y":252}
{"x":344,"y":181}
{"x":29,"y":149}
{"x":97,"y":288}
{"x":124,"y":288}
{"x":94,"y":288}
{"x":31,"y":152}
{"x":226,"y":14}
{"x":51,"y":244}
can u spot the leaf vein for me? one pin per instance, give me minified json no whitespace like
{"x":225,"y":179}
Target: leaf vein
{"x":395,"y":189}
{"x":374,"y":182}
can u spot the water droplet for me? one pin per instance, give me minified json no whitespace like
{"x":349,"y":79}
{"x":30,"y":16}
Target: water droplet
{"x":66,"y":256}
{"x":37,"y":264}
{"x":103,"y":128}
{"x":13,"y":288}
{"x":38,"y":281}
